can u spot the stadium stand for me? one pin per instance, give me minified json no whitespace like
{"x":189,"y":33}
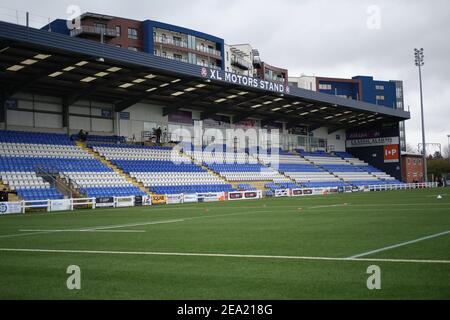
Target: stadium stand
{"x":236,"y":166}
{"x":25,"y":155}
{"x":302,"y":171}
{"x":162,"y":169}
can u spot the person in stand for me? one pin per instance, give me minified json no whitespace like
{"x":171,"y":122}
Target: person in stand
{"x":158,"y":135}
{"x":82,"y":135}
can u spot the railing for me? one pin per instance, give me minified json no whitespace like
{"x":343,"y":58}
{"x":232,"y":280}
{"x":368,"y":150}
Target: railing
{"x":48,"y":172}
{"x":241,"y":62}
{"x":93,"y":30}
{"x":173,"y":58}
{"x":209,"y":50}
{"x":184,"y":44}
{"x":165,"y":40}
{"x":208,"y":65}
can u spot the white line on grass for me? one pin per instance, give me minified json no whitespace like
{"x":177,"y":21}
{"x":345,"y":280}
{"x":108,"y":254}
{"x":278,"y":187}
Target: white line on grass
{"x":329,"y":206}
{"x":222,"y":255}
{"x":130,"y":225}
{"x":90,"y":228}
{"x":399,"y":245}
{"x":105,"y":231}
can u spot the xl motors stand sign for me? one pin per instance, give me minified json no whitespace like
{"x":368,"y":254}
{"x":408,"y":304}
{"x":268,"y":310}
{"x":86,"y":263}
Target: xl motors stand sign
{"x":391,"y":153}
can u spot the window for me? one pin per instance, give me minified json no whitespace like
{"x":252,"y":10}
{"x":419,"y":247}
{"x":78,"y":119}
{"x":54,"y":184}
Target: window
{"x":177,"y":40}
{"x":380,"y":97}
{"x":132,"y":33}
{"x":99,"y":26}
{"x":118,"y":31}
{"x":118,"y":46}
{"x":379,"y":87}
{"x":178,"y":57}
{"x":132,"y":48}
{"x":338,"y":137}
{"x":415,"y":161}
{"x":155,"y":52}
{"x":419,"y":162}
{"x":323,"y":86}
{"x":164,"y":54}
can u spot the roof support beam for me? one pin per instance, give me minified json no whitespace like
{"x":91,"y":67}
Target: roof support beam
{"x":65,"y":114}
{"x":10,"y":91}
{"x":187,"y":102}
{"x":99,"y":84}
{"x":122,"y":105}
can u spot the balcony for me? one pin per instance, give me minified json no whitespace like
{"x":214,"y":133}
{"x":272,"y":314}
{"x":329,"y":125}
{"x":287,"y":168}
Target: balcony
{"x":209,"y":51}
{"x":257,"y":62}
{"x":184,"y":45}
{"x":165,"y":40}
{"x":208,"y":65}
{"x":240,"y":63}
{"x":173,"y":58}
{"x":92,"y":30}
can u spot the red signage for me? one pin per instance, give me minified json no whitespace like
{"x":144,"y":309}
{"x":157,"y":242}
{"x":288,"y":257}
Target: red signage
{"x":391,"y":153}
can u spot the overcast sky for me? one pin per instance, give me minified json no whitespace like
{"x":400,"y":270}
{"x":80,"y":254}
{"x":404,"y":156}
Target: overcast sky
{"x":328,"y":38}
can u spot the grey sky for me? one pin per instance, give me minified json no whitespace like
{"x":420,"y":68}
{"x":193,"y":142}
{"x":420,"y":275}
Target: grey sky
{"x":326,"y":38}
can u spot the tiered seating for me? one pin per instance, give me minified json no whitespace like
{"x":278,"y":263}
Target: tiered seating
{"x":28,"y":153}
{"x":245,"y":187}
{"x":350,"y":158}
{"x":245,"y":172}
{"x":23,"y":180}
{"x":365,"y":167}
{"x":349,"y":173}
{"x":235,"y":166}
{"x":301,"y":170}
{"x":162,"y":169}
{"x":100,"y":139}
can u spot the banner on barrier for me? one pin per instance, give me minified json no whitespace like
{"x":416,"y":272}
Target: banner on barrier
{"x":174,"y":198}
{"x":158,"y":199}
{"x":296,"y":192}
{"x":190,"y":197}
{"x":124,"y":201}
{"x":10,"y":207}
{"x":235,"y":195}
{"x":138,"y":201}
{"x":104,"y":202}
{"x":211,"y":196}
{"x":59,"y":205}
{"x":244,"y":195}
{"x":281,"y":193}
{"x":146,"y":201}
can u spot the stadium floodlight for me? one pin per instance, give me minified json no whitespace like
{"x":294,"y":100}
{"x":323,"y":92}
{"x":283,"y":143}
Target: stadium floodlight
{"x":448,"y":147}
{"x":419,"y":62}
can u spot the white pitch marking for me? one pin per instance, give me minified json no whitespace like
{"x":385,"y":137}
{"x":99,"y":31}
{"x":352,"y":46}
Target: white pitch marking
{"x":73,"y":230}
{"x":399,"y":245}
{"x":329,"y":206}
{"x":130,"y":225}
{"x":223,"y":255}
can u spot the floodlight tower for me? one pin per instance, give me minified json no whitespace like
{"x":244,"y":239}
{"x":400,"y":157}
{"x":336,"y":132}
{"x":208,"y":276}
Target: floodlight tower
{"x":418,"y":55}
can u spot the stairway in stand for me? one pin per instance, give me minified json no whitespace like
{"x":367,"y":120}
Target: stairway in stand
{"x":108,"y":163}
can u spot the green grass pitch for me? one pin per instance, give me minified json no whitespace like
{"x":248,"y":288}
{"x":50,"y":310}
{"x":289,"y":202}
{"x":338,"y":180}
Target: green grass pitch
{"x":282,"y":248}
